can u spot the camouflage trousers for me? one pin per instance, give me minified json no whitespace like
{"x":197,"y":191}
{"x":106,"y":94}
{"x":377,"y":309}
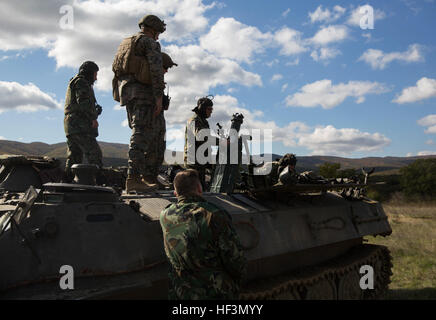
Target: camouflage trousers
{"x":156,"y":154}
{"x":79,"y":144}
{"x":147,"y":143}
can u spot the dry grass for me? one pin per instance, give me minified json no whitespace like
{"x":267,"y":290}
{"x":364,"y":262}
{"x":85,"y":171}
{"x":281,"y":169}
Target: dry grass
{"x":413,"y":248}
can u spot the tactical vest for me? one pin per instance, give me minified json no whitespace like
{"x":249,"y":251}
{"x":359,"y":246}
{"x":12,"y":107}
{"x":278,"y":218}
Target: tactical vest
{"x":77,"y":120}
{"x":70,"y":101}
{"x":127,"y":62}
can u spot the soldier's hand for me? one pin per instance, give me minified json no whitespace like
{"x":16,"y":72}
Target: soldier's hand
{"x":98,"y":109}
{"x":95,"y":124}
{"x":158,"y":107}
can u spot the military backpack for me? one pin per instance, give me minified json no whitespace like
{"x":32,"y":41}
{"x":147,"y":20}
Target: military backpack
{"x":127,"y":62}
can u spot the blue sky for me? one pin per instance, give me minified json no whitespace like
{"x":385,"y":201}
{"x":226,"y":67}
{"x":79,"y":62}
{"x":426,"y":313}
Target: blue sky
{"x":305,"y":69}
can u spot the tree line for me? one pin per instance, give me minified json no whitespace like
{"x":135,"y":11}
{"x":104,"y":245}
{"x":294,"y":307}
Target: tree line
{"x":416,"y":181}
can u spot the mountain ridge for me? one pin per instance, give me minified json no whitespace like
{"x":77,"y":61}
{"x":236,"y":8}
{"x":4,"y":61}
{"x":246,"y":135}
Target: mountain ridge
{"x":115,"y":154}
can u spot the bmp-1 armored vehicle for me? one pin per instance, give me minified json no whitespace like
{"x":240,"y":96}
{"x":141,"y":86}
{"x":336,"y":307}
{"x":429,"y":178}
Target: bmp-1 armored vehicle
{"x":302,"y":241}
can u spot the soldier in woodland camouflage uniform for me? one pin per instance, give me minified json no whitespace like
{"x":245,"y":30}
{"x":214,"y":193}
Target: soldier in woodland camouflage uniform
{"x":80,"y":122}
{"x":139,"y":85}
{"x":204,"y":251}
{"x":198,"y":122}
{"x":155,"y":156}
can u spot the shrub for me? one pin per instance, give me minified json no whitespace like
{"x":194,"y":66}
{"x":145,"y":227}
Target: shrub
{"x":419,"y":178}
{"x":329,"y":170}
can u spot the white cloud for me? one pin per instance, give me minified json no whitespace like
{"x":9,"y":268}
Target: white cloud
{"x":284,"y":87}
{"x":2,"y":138}
{"x":175,"y":133}
{"x":431,"y":130}
{"x":425,"y":88}
{"x":367,"y":35}
{"x":429,"y":122}
{"x":117,"y":107}
{"x":99,"y":28}
{"x":272,"y":62}
{"x":28,"y":98}
{"x":320,"y":15}
{"x":319,"y":140}
{"x":356,"y":16}
{"x":330,"y":34}
{"x":200,"y":73}
{"x":286,"y":12}
{"x":324,"y":54}
{"x":125,"y":123}
{"x":246,"y":40}
{"x":426,"y":153}
{"x":296,"y":62}
{"x":276,"y":77}
{"x":377,"y":59}
{"x":429,"y":142}
{"x":323,"y":93}
{"x":249,"y":40}
{"x":330,"y":141}
{"x":290,"y":41}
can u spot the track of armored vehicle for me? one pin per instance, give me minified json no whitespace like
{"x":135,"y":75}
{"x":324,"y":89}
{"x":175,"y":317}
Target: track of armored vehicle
{"x":302,"y":242}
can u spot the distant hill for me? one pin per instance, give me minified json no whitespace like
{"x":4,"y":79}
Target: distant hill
{"x":115,"y":154}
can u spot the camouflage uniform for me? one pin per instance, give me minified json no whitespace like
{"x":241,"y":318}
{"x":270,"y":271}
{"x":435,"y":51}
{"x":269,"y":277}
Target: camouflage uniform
{"x":140,"y":101}
{"x":204,"y":251}
{"x":194,"y":125}
{"x":80,"y":111}
{"x":156,"y":154}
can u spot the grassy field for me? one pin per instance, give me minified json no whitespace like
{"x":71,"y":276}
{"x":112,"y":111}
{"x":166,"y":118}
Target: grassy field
{"x":413,"y":248}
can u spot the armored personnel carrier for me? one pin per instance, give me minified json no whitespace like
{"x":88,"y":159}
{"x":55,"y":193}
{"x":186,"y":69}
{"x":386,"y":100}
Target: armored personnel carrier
{"x":301,"y":241}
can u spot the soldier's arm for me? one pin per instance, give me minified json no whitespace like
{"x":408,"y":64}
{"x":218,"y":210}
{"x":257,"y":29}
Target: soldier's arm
{"x":229,"y":245}
{"x":151,"y":50}
{"x":84,"y":99}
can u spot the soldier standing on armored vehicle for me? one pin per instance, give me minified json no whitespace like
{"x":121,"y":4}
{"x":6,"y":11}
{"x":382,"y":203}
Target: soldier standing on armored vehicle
{"x":198,"y":122}
{"x":202,"y":246}
{"x":286,"y":169}
{"x":156,"y":155}
{"x":80,"y":121}
{"x":139,"y":84}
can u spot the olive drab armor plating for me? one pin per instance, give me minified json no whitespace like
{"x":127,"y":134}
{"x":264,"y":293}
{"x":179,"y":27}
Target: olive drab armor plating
{"x":126,"y":62}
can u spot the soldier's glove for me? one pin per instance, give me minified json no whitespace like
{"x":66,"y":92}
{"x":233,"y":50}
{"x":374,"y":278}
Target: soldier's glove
{"x":166,"y":101}
{"x":98,"y":109}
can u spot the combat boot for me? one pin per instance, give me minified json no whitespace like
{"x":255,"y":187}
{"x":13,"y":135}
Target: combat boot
{"x":153,"y":181}
{"x":134,"y":183}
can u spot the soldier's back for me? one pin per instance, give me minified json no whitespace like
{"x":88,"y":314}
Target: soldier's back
{"x":191,"y":231}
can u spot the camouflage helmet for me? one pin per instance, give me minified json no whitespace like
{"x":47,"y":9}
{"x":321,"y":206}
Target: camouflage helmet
{"x":167,"y":62}
{"x":152,"y":22}
{"x":288,"y":159}
{"x":88,"y":67}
